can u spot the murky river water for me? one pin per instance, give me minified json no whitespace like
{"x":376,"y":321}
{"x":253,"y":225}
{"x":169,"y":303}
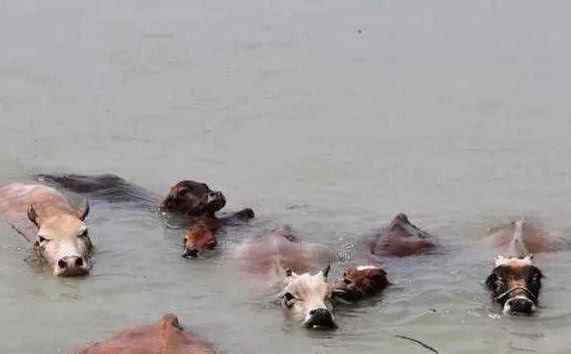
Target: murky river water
{"x":331,"y":116}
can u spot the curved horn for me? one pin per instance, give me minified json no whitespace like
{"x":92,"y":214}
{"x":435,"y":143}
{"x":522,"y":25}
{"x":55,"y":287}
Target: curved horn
{"x":84,"y":211}
{"x":325,"y":271}
{"x":33,"y":216}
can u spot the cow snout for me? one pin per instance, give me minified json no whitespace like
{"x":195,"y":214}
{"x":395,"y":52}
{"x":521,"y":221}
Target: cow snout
{"x":519,"y":305}
{"x":71,"y":266}
{"x":215,"y":196}
{"x":190,"y":253}
{"x":320,"y":318}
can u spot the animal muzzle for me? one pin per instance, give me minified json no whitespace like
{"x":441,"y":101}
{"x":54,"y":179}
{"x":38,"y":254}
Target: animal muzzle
{"x":518,"y":300}
{"x":320,"y":318}
{"x":215,"y":201}
{"x":215,"y":196}
{"x":192,"y":249}
{"x":190,"y":253}
{"x":70,"y":266}
{"x":519,"y":304}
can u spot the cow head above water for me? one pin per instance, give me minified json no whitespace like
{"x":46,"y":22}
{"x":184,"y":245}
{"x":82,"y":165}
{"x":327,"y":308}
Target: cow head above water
{"x":197,"y":239}
{"x":306,"y":298}
{"x":515,"y":284}
{"x":193,"y":199}
{"x":360,"y":282}
{"x":62,"y":240}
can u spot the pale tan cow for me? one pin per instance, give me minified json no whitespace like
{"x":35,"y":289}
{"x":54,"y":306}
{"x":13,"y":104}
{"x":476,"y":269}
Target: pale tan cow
{"x":282,"y":259}
{"x":45,"y":217}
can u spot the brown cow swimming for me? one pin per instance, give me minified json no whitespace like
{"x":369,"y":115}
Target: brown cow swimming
{"x":515,"y":282}
{"x":45,"y":217}
{"x":200,"y":236}
{"x":522,"y":237}
{"x":281,"y":258}
{"x":400,"y":238}
{"x":165,"y":337}
{"x":360,"y":282}
{"x":193,"y":201}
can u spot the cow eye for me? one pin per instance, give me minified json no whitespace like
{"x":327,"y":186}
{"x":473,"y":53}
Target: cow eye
{"x":534,"y":277}
{"x":182,"y":191}
{"x":42,"y":239}
{"x":83,"y":234}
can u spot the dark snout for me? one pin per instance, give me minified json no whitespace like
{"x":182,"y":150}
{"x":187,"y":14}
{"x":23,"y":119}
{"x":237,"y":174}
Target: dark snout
{"x":216,"y":201}
{"x":71,"y":266}
{"x":320,"y":318}
{"x":190,"y":253}
{"x":198,"y":242}
{"x":519,"y":304}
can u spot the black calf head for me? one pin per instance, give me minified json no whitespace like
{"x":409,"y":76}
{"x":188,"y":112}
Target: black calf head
{"x":194,"y":199}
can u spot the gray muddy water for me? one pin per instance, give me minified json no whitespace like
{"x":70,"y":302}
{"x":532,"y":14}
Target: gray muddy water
{"x":331,"y":116}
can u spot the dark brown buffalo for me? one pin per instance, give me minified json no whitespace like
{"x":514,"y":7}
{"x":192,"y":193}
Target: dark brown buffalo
{"x":194,"y":199}
{"x":165,"y":337}
{"x":400,"y":238}
{"x":194,"y":202}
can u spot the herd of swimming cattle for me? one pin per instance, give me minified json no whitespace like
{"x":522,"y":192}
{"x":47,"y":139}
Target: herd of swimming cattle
{"x":46,"y":217}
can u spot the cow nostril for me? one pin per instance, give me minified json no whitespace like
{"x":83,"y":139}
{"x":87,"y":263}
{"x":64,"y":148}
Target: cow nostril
{"x":190,"y":253}
{"x":521,"y":305}
{"x":320,"y":314}
{"x":79,"y":262}
{"x":62,"y":264}
{"x":320,"y":318}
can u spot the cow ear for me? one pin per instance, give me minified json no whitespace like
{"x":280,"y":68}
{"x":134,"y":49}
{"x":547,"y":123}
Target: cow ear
{"x":170,"y":320}
{"x":83,"y":212}
{"x":500,"y":260}
{"x":33,"y":216}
